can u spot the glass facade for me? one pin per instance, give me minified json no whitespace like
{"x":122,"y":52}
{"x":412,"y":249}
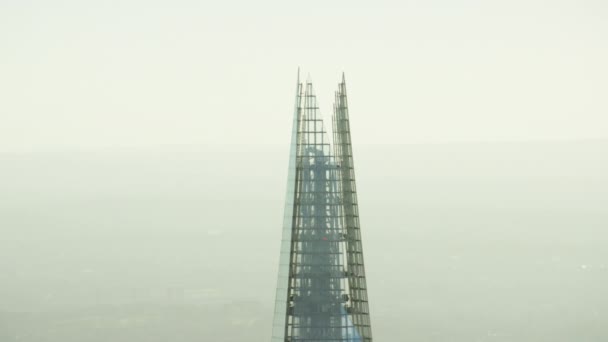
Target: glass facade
{"x":321,"y":291}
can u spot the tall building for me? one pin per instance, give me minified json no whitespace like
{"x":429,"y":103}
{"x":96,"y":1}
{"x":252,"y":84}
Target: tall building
{"x":321,"y":291}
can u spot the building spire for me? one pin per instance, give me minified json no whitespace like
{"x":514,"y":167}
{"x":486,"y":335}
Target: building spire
{"x":298,"y":75}
{"x":321,"y":285}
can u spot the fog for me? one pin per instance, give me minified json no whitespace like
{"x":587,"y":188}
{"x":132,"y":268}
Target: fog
{"x":463,"y":242}
{"x":144,"y":149}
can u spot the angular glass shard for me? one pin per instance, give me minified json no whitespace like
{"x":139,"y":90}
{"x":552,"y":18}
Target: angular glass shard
{"x":321,"y":290}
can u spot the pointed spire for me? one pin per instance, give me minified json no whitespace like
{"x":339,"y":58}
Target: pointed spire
{"x":343,"y":78}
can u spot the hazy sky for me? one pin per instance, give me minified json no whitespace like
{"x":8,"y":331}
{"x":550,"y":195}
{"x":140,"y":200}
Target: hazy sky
{"x":79,"y":74}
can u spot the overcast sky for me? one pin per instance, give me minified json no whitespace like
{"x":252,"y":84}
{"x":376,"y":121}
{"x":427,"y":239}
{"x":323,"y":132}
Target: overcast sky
{"x":89,"y":74}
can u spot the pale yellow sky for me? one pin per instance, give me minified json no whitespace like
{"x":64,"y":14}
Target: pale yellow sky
{"x":80,"y":74}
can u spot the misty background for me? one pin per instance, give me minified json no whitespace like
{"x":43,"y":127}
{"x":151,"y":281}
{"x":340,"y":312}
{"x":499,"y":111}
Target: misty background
{"x":144,"y":147}
{"x":463,"y":242}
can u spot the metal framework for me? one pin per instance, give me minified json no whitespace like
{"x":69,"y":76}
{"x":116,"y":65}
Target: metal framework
{"x":321,"y":289}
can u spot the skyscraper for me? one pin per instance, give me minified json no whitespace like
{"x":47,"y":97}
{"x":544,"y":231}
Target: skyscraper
{"x":321,"y":290}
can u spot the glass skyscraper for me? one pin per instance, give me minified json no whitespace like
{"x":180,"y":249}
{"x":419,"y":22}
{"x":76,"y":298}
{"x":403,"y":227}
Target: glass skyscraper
{"x":321,"y":290}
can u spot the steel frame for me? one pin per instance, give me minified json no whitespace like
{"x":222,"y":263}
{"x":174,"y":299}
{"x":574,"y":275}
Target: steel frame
{"x":321,"y":289}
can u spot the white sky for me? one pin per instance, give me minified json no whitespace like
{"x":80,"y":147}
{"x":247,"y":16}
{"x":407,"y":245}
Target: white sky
{"x":79,"y":74}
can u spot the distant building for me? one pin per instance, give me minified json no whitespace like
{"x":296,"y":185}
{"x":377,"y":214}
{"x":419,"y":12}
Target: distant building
{"x":321,"y":291}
